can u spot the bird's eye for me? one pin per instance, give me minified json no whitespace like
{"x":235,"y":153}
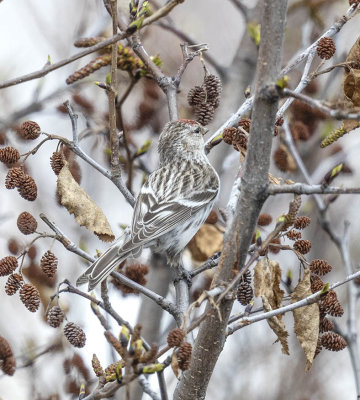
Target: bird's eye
{"x":197,"y":130}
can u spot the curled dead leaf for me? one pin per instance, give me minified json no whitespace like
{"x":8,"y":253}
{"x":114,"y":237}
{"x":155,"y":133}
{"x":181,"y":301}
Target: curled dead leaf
{"x":175,"y":364}
{"x":87,"y":213}
{"x":351,"y":81}
{"x":307,"y":319}
{"x":267,"y":276}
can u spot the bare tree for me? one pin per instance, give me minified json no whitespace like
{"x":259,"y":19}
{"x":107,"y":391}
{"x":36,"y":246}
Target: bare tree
{"x":238,"y":275}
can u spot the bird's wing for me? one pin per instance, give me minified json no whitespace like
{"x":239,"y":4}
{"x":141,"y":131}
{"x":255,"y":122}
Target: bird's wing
{"x":169,"y":197}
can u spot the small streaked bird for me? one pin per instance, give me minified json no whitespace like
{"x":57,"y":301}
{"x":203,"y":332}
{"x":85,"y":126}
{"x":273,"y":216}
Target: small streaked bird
{"x":173,"y":203}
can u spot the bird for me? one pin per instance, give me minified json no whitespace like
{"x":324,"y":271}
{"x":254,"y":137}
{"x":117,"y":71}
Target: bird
{"x":171,"y":206}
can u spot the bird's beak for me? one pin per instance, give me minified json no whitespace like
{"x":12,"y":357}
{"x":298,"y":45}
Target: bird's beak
{"x":205,"y":131}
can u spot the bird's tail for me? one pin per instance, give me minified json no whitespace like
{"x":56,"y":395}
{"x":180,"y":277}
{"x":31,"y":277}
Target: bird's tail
{"x":104,"y":265}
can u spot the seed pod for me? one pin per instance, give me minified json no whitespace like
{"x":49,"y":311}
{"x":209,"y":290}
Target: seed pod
{"x":331,"y":305}
{"x":196,"y":96}
{"x":30,"y":297}
{"x":8,"y":265}
{"x":244,"y":293}
{"x":26,"y":223}
{"x":326,"y":48}
{"x":325,"y":325}
{"x":185,"y":351}
{"x":244,"y":123}
{"x":320,"y":267}
{"x":56,"y":162}
{"x":213,"y":88}
{"x":264,"y":219}
{"x":13,"y":284}
{"x":27,"y":188}
{"x":55,"y":316}
{"x":74,"y":334}
{"x":14,"y":177}
{"x":204,"y":113}
{"x":9,"y":155}
{"x":300,"y":131}
{"x":30,"y":130}
{"x":49,"y":264}
{"x":302,"y":246}
{"x":333,"y":341}
{"x":316,"y":283}
{"x":228,"y":134}
{"x":293,"y":235}
{"x":175,"y":337}
{"x":302,"y":222}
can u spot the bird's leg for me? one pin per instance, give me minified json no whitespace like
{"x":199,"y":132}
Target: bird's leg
{"x":179,"y":273}
{"x":182,"y":282}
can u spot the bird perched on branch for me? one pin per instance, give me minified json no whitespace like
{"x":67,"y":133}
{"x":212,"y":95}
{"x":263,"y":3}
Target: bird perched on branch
{"x":173,"y":203}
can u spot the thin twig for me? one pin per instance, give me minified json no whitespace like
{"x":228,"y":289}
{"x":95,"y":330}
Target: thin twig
{"x":290,"y":307}
{"x":334,"y":113}
{"x":303,"y":188}
{"x":212,"y":262}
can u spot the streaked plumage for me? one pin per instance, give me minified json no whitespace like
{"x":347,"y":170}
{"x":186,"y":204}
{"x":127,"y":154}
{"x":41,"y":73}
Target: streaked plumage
{"x":172,"y":204}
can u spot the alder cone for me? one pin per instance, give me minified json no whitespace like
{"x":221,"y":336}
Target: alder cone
{"x":30,"y":130}
{"x":49,"y":264}
{"x":5,"y":349}
{"x":196,"y":96}
{"x":302,"y":246}
{"x":325,"y":325}
{"x":9,"y":366}
{"x":333,"y":341}
{"x":14,"y":177}
{"x":9,"y":155}
{"x":13,"y":284}
{"x":293,"y":235}
{"x":74,"y":334}
{"x":26,"y":223}
{"x":175,"y":337}
{"x":244,"y":293}
{"x":228,"y":134}
{"x":27,"y":188}
{"x":264,"y":219}
{"x":8,"y":265}
{"x":185,"y":351}
{"x":56,"y":162}
{"x":320,"y":267}
{"x":326,"y":48}
{"x":302,"y":222}
{"x":55,"y":316}
{"x":30,"y":297}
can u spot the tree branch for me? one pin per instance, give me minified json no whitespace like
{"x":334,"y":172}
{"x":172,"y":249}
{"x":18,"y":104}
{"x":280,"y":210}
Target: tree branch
{"x":303,"y":188}
{"x":211,"y":336}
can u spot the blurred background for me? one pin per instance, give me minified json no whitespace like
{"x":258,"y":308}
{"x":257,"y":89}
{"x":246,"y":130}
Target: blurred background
{"x":251,"y":365}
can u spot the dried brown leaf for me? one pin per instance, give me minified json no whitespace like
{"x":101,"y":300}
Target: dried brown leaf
{"x":175,"y":364}
{"x":307,"y":319}
{"x":351,"y":81}
{"x":206,"y":242}
{"x":267,"y":276}
{"x":278,"y":327}
{"x":87,"y":213}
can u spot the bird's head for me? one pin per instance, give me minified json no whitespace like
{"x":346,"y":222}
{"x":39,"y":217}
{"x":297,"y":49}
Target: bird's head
{"x":182,"y":138}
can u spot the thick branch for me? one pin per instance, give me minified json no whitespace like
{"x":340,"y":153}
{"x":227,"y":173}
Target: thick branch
{"x":211,"y":337}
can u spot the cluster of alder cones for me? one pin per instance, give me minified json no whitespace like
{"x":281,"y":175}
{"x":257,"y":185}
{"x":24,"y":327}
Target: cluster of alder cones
{"x":205,"y":99}
{"x":17,"y":176}
{"x":328,"y":303}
